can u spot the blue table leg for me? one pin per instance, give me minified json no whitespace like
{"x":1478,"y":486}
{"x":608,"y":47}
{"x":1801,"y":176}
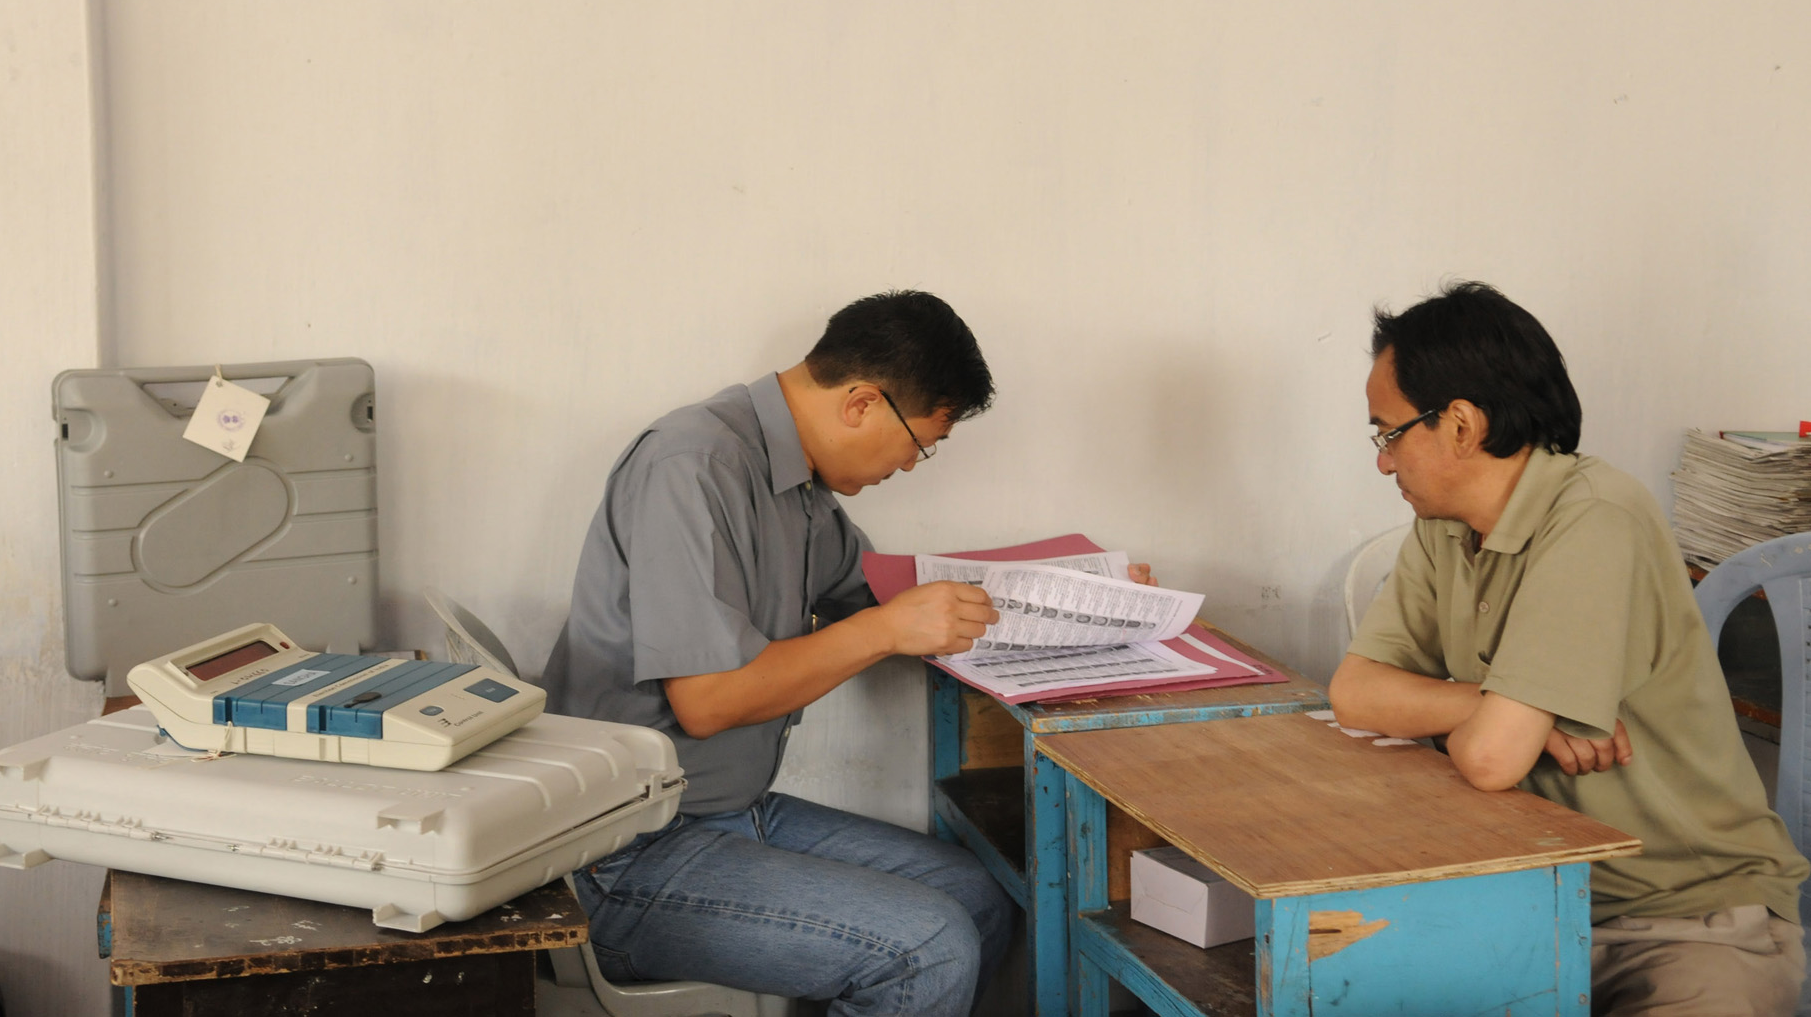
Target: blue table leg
{"x":1087,"y":821}
{"x":946,"y":738}
{"x":1046,"y":882}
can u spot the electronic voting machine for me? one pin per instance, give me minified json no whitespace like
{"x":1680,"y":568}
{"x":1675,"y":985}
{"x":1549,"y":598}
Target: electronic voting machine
{"x":253,"y":690}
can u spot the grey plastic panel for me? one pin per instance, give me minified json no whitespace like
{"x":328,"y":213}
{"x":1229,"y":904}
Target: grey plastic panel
{"x":166,"y":543}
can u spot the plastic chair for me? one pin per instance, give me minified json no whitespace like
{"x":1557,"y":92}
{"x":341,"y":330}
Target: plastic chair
{"x":664,"y":999}
{"x":1782,"y":568}
{"x":470,"y":641}
{"x":1369,"y":568}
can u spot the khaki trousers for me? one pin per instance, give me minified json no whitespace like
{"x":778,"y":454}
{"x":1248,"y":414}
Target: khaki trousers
{"x":1732,"y":963}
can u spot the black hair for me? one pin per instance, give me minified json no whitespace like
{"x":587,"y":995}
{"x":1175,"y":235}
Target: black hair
{"x":913,"y":346}
{"x":1473,"y":343}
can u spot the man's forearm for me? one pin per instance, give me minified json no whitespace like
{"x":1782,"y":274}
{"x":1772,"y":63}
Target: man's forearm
{"x":1377,"y":697}
{"x":787,"y":675}
{"x":790,"y":674}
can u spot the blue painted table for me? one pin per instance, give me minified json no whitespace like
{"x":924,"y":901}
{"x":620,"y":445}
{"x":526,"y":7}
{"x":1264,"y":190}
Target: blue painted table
{"x":993,"y":792}
{"x":1383,"y":883}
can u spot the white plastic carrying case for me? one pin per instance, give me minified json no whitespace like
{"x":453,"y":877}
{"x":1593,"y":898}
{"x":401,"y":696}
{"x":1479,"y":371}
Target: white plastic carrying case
{"x":416,"y":847}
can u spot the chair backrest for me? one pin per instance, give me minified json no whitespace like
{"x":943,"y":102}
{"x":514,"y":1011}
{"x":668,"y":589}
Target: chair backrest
{"x":1782,"y":568}
{"x":468,"y":640}
{"x":1370,"y":567}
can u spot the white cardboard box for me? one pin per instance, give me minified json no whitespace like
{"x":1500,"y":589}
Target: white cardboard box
{"x":1180,"y":896}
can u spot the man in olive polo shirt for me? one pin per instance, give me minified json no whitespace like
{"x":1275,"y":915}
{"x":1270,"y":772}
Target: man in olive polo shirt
{"x":1547,"y":587}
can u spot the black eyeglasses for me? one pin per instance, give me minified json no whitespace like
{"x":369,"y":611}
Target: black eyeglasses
{"x":1383,"y":441}
{"x":924,"y":451}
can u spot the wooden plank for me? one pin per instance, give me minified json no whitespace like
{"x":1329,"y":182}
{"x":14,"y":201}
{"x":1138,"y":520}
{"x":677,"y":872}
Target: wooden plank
{"x":167,"y":930}
{"x":1283,"y":805}
{"x":473,"y":985}
{"x":991,"y":737}
{"x":1124,"y":836}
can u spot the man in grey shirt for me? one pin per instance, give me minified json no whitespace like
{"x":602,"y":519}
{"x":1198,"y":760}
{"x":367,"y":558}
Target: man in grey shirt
{"x":719,"y":592}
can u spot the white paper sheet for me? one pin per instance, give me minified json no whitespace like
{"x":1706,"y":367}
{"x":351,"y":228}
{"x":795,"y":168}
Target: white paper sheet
{"x":1043,"y":607}
{"x":933,"y":568}
{"x":1011,"y":676}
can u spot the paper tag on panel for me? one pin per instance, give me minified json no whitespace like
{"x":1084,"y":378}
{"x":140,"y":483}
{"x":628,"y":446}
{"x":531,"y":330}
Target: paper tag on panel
{"x":227,"y":418}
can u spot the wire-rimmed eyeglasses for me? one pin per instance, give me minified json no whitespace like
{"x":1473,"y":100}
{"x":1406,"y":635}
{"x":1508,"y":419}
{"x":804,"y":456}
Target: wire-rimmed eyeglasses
{"x":924,"y":451}
{"x":1383,"y":440}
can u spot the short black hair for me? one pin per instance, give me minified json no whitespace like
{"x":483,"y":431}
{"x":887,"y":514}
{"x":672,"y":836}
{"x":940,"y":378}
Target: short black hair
{"x":913,"y":346}
{"x":1472,"y":342}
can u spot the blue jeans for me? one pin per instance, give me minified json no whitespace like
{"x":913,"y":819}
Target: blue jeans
{"x":804,"y":901}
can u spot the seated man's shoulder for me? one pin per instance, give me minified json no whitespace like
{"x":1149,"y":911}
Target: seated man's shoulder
{"x":722,"y":427}
{"x":1595,"y":484}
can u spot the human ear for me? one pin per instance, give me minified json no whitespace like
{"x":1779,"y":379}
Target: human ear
{"x":1471,"y":426}
{"x":858,"y":402}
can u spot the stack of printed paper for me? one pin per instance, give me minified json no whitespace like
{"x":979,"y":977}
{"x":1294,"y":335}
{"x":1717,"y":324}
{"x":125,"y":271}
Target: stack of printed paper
{"x":1071,"y":625}
{"x":1736,"y":489}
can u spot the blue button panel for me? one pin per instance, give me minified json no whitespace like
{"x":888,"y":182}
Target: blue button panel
{"x":358,"y":713}
{"x":264,"y":701}
{"x":356,"y":710}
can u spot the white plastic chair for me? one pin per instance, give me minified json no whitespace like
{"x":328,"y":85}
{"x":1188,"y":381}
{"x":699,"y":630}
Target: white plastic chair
{"x":662,"y":999}
{"x":470,"y":641}
{"x":1366,"y":575}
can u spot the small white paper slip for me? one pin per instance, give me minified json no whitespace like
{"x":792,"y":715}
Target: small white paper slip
{"x":226,"y":418}
{"x":1394,"y":741}
{"x":1355,"y":732}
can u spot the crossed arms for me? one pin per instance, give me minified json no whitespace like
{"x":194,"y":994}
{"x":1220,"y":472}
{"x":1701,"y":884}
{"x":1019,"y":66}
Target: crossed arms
{"x":1492,"y":739}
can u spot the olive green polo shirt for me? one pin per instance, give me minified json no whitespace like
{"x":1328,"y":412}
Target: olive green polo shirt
{"x":1578,"y":603}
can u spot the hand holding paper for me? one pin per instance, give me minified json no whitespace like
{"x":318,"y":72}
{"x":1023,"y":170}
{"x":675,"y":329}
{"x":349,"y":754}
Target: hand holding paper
{"x":939,"y":618}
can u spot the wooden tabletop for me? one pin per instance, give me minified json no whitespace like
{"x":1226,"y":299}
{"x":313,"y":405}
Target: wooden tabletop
{"x":1284,"y":805}
{"x":168,"y":930}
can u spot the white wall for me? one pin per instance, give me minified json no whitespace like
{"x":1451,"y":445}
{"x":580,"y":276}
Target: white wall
{"x":547,"y":223}
{"x":48,"y":321}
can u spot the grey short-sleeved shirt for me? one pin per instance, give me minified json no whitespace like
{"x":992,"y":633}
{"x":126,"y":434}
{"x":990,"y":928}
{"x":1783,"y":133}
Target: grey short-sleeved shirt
{"x":712,"y":541}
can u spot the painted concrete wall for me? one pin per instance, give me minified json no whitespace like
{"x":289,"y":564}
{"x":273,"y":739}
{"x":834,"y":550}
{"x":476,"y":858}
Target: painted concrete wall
{"x":49,"y":307}
{"x":547,"y":223}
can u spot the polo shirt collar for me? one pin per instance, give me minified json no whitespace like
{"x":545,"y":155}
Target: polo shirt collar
{"x":1531,"y":500}
{"x":785,"y":454}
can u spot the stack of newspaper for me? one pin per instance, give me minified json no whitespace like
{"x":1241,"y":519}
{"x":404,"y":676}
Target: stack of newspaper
{"x":1735,"y":489}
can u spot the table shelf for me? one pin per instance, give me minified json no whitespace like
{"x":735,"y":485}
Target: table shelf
{"x":1171,"y":976}
{"x":985,"y":810}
